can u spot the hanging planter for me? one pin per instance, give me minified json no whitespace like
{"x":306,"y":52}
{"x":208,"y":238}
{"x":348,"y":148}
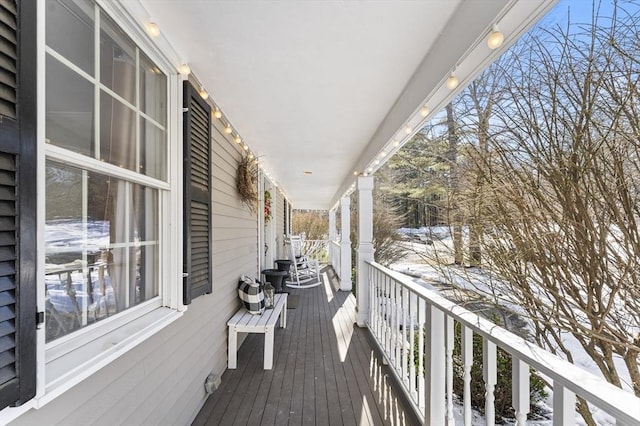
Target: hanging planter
{"x":246,"y":179}
{"x":267,"y":206}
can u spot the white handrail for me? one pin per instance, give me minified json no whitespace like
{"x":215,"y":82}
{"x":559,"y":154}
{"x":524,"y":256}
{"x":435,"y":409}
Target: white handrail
{"x":392,"y":292}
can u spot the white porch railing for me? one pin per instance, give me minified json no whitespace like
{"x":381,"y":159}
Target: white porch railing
{"x":315,"y":249}
{"x":334,"y":256}
{"x":414,"y":327}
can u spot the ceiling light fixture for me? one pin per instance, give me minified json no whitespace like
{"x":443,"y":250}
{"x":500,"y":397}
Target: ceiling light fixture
{"x":496,"y":38}
{"x":424,"y":111}
{"x":452,"y":81}
{"x":152,"y":29}
{"x":184,"y":69}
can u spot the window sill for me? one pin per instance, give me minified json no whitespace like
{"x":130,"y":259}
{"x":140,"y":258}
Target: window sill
{"x":70,"y":369}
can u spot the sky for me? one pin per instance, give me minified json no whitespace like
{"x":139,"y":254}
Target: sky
{"x":580,"y":11}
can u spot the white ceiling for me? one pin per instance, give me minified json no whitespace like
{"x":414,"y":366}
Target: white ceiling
{"x":323,"y":86}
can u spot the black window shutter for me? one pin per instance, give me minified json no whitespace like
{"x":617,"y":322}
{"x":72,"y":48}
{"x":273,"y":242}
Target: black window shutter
{"x":197,"y":195}
{"x":17,"y":201}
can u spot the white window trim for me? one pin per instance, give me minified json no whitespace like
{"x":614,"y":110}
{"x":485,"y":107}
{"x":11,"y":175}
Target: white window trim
{"x":58,"y":369}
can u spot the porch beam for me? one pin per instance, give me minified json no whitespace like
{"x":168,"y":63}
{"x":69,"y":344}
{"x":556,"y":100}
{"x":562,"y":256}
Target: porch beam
{"x":365,"y":245}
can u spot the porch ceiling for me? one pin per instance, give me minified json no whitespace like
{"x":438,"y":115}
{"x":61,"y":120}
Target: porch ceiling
{"x":324,"y":86}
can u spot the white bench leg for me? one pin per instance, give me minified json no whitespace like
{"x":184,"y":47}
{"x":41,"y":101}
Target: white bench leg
{"x":283,"y":315}
{"x":268,"y":348}
{"x":232,"y":354}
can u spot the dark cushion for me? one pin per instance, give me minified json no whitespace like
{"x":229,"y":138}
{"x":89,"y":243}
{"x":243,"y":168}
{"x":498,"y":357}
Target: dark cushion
{"x":251,"y":294}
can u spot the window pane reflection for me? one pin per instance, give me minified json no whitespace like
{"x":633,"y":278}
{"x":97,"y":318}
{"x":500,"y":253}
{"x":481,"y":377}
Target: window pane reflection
{"x":153,"y":150}
{"x":117,"y":60}
{"x":117,"y":133}
{"x":101,"y":247}
{"x":153,"y":90}
{"x":70,"y":111}
{"x":70,"y":29}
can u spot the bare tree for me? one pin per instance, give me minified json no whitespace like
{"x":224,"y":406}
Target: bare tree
{"x":455,"y":214}
{"x":565,"y":183}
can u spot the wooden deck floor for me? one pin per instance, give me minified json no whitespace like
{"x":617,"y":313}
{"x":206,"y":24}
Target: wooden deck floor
{"x":326,"y":372}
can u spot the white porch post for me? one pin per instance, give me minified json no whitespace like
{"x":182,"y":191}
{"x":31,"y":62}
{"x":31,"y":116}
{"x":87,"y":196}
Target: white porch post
{"x":365,"y":245}
{"x":345,"y":244}
{"x":332,"y":225}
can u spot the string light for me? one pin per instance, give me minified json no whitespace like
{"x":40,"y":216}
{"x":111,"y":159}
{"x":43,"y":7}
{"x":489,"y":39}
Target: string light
{"x":452,"y":81}
{"x":424,"y":111}
{"x":495,"y":39}
{"x":152,"y":29}
{"x":184,"y":69}
{"x":217,"y":113}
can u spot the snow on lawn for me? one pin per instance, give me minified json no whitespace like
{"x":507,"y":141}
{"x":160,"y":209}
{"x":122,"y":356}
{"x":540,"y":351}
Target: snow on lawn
{"x":428,"y":263}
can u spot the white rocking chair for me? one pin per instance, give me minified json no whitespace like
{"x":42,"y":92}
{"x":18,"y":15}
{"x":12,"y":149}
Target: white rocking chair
{"x":305,"y":272}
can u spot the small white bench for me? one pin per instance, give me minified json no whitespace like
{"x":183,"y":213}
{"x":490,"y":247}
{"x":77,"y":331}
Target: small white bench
{"x":244,"y":322}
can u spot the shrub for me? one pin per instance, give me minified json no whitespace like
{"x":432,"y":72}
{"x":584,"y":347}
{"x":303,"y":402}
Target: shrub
{"x":502,"y":392}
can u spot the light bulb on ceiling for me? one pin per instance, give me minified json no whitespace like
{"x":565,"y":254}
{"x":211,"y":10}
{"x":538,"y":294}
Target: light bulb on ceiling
{"x":496,"y":38}
{"x":452,"y":81}
{"x":237,"y":139}
{"x":408,"y":129}
{"x":424,"y":111}
{"x":152,"y":29}
{"x":184,"y":69}
{"x":228,"y":129}
{"x":203,"y":93}
{"x":217,"y":113}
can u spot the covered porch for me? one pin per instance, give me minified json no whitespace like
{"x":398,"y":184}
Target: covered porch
{"x":327,"y":371}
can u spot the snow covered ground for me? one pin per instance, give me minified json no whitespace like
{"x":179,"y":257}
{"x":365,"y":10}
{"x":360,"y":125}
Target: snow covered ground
{"x":428,"y":263}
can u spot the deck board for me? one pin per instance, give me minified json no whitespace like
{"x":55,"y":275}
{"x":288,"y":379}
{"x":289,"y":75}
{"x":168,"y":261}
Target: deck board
{"x":326,"y":372}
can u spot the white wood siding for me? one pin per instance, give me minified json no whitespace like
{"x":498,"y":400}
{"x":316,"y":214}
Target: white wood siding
{"x":161,"y":381}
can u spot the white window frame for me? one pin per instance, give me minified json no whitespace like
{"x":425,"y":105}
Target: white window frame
{"x":66,"y":361}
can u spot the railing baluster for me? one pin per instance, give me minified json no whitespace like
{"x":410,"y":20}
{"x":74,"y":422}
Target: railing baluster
{"x":422,"y":314}
{"x":467,"y":363}
{"x":434,"y":413}
{"x":564,"y":406}
{"x":520,"y":390}
{"x":389,"y":317}
{"x":405,"y":337}
{"x":449,"y":371}
{"x":397,"y":340}
{"x":412,"y":355}
{"x":489,"y":373}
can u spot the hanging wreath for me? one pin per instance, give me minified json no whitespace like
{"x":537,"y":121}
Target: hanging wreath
{"x":246,"y":183}
{"x":267,"y":206}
